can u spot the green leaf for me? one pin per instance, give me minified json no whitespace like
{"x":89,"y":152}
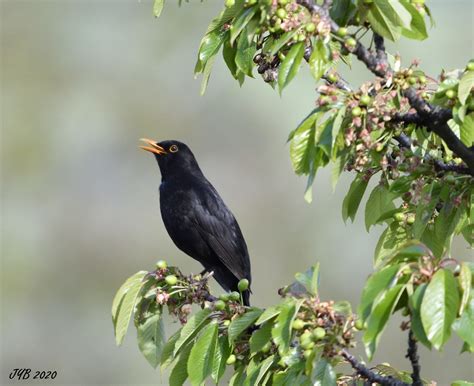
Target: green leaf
{"x":206,"y":74}
{"x":208,"y":48}
{"x":377,"y":283}
{"x":439,"y":307}
{"x":309,"y":280}
{"x":238,"y":378}
{"x":240,"y":324}
{"x":383,"y":307}
{"x":240,"y":22}
{"x":425,"y":209}
{"x":226,"y":15}
{"x":302,"y":148}
{"x":417,"y":28}
{"x":191,"y":328}
{"x":179,"y":374}
{"x":229,"y":52}
{"x":260,"y":338}
{"x":323,"y":374}
{"x":353,"y":197}
{"x":415,"y":302}
{"x":124,"y":304}
{"x":384,"y":20}
{"x":467,"y":129}
{"x":342,"y":11}
{"x":200,"y":362}
{"x":392,"y":239}
{"x":290,"y":65}
{"x":221,"y":353}
{"x":281,"y":331}
{"x":319,"y":61}
{"x":465,"y":283}
{"x":245,"y":53}
{"x":464,"y":326}
{"x":379,"y":202}
{"x":158,"y":7}
{"x":282,"y":40}
{"x":462,"y":383}
{"x":255,"y":374}
{"x":466,"y":83}
{"x":268,"y":314}
{"x":151,"y":338}
{"x":168,"y":349}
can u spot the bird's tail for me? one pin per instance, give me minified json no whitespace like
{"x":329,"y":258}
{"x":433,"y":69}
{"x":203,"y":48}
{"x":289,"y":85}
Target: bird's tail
{"x":246,"y":298}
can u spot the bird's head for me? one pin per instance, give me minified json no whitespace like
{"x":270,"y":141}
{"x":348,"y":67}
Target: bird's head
{"x":173,"y":157}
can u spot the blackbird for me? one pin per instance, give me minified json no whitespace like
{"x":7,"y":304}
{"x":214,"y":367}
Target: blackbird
{"x":197,"y":219}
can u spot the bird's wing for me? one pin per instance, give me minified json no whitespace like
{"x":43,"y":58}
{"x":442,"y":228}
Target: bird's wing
{"x":218,"y":227}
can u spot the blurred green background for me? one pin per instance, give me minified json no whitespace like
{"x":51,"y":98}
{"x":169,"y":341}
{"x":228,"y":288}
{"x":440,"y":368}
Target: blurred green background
{"x":81,"y":82}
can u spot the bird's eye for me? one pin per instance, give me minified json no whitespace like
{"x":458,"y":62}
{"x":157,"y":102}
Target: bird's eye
{"x":173,"y":148}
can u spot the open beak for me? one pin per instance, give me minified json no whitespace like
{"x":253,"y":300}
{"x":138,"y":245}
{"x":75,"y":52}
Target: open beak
{"x":153,"y":148}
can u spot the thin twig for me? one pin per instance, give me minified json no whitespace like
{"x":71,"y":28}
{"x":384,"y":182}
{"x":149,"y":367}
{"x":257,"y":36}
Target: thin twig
{"x":412,"y":355}
{"x":370,"y":375}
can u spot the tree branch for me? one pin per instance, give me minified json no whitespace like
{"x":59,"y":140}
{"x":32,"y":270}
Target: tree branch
{"x":412,"y":355}
{"x":434,"y":118}
{"x":368,"y":374}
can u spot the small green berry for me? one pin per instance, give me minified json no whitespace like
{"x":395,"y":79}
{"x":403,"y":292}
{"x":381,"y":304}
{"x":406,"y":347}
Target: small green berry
{"x":365,"y":100}
{"x":422,"y":79}
{"x":351,"y":43}
{"x":298,"y":324}
{"x":301,"y":37}
{"x":379,"y":147}
{"x":399,"y":217}
{"x":243,"y":285}
{"x":281,"y":13}
{"x":226,"y":323}
{"x":161,"y":264}
{"x":470,"y":66}
{"x":229,"y":3}
{"x":342,"y":32}
{"x":310,"y":27}
{"x":319,"y":333}
{"x":359,"y":325}
{"x":171,"y":279}
{"x":231,"y":359}
{"x":307,"y":344}
{"x":367,"y":2}
{"x":451,"y":94}
{"x":266,"y":348}
{"x":219,"y":305}
{"x":412,"y":80}
{"x":356,"y":111}
{"x":411,"y":219}
{"x":283,"y":2}
{"x":235,"y":296}
{"x":332,"y":77}
{"x":224,"y":297}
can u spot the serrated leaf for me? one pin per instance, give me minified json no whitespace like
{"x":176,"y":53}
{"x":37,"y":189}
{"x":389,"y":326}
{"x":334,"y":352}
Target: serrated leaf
{"x":268,"y":314}
{"x":281,"y":331}
{"x":466,"y":83}
{"x":290,"y":65}
{"x":240,"y":324}
{"x":323,"y":374}
{"x":465,"y":283}
{"x":124,"y":304}
{"x":383,"y":307}
{"x":319,"y":61}
{"x":467,"y":129}
{"x":439,"y":307}
{"x":240,"y":22}
{"x":281,"y":41}
{"x":392,"y":239}
{"x":151,"y":338}
{"x":377,"y":283}
{"x":384,"y":20}
{"x":379,"y":202}
{"x":302,"y":148}
{"x":221,"y":354}
{"x":225,"y":16}
{"x":415,"y":301}
{"x":424,"y":210}
{"x":464,"y":326}
{"x":167,"y":356}
{"x":208,"y":48}
{"x":158,"y":7}
{"x":309,"y":280}
{"x":191,"y":328}
{"x":200,"y":362}
{"x":244,"y":54}
{"x":179,"y":373}
{"x":417,"y":28}
{"x":353,"y":197}
{"x":260,"y":337}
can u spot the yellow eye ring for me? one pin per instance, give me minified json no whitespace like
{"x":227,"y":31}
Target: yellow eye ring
{"x":173,"y":148}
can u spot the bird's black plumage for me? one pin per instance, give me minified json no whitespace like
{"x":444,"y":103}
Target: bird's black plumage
{"x":197,"y":219}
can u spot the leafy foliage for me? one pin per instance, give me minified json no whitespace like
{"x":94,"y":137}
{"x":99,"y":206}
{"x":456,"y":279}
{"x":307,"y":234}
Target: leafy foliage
{"x":408,"y":138}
